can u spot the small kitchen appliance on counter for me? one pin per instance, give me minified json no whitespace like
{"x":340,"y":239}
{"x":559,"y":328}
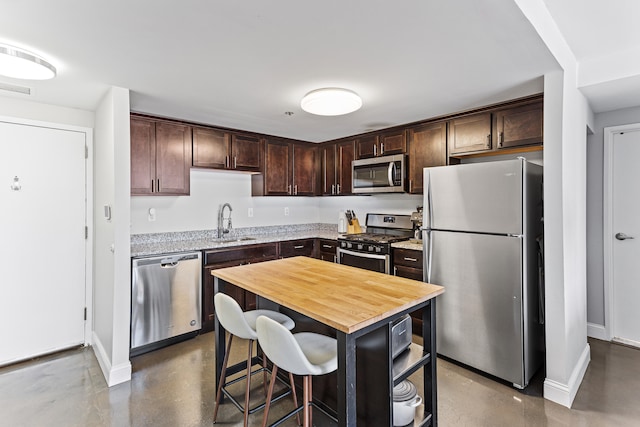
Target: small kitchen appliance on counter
{"x":416,"y":219}
{"x":372,"y":250}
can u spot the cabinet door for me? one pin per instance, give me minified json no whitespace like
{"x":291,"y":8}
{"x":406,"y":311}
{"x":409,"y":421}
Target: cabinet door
{"x":211,"y":148}
{"x":345,"y":155}
{"x":304,"y":169}
{"x":392,"y":142}
{"x":143,"y":156}
{"x":470,"y":134}
{"x":518,"y":126}
{"x":291,"y":248}
{"x":427,"y":148}
{"x":277,"y":171}
{"x":173,"y":158}
{"x":367,"y":146}
{"x":328,"y":156}
{"x":246,"y":153}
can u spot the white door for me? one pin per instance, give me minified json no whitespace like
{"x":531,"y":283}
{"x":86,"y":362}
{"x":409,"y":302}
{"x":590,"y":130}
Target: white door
{"x":624,"y":236}
{"x":42,"y":241}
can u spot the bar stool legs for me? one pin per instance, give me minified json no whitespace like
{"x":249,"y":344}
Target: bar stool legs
{"x":223,"y":377}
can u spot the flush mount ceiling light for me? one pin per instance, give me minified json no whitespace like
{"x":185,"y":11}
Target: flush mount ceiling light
{"x":20,"y":64}
{"x":331,"y":101}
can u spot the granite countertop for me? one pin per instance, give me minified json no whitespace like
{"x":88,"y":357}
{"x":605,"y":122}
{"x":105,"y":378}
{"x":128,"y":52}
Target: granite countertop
{"x":413,"y":244}
{"x":162,"y":243}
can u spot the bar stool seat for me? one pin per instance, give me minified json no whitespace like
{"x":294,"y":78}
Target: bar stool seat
{"x":304,"y":353}
{"x":243,"y":325}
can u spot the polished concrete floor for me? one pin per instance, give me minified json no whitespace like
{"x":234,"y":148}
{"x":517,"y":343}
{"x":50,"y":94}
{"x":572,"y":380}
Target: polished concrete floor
{"x":174,"y":387}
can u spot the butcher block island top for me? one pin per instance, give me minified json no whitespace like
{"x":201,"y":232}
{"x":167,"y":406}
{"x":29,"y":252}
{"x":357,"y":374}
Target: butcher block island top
{"x":343,"y":297}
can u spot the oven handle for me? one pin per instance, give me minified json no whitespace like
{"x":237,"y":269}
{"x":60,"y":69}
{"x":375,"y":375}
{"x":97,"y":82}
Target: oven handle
{"x":361,"y":254}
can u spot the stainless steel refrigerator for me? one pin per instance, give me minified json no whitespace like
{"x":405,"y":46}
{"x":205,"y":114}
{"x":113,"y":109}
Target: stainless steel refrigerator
{"x":482,"y":225}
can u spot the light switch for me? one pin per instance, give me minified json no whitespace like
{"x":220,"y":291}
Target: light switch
{"x":152,"y":214}
{"x":107,"y":212}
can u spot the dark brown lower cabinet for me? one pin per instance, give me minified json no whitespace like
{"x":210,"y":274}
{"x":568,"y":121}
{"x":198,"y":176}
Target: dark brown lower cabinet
{"x":408,"y":263}
{"x":326,"y":249}
{"x":301,"y":247}
{"x":221,"y":258}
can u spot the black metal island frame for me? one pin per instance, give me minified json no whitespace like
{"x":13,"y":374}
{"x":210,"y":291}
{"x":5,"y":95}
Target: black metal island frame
{"x":358,"y":307}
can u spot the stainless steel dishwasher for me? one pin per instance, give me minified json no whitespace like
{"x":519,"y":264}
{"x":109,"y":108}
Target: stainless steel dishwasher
{"x":166,"y":300}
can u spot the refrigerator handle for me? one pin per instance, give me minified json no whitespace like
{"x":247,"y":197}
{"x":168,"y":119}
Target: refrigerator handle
{"x":428,"y":253}
{"x":427,"y":201}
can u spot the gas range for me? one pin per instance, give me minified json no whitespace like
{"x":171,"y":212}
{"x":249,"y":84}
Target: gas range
{"x":372,"y":250}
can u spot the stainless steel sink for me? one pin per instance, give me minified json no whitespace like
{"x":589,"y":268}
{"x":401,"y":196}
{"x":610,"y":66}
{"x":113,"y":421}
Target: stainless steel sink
{"x":234,"y":240}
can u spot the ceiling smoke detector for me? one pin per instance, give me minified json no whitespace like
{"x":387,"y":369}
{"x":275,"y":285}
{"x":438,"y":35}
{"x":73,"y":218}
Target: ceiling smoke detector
{"x":20,"y":64}
{"x":331,"y":101}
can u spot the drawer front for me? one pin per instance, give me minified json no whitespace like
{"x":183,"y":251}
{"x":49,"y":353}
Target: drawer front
{"x":328,"y":246}
{"x":240,"y":255}
{"x":408,"y":258}
{"x":408,"y":272}
{"x":293,"y":248}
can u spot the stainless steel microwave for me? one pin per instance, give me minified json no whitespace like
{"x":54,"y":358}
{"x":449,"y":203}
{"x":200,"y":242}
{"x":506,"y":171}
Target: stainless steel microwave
{"x":384,"y":174}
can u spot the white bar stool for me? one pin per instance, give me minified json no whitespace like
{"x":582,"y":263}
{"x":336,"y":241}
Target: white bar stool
{"x":243,"y":325}
{"x":304,"y":353}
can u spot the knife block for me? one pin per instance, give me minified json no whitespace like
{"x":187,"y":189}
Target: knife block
{"x":354,"y":227}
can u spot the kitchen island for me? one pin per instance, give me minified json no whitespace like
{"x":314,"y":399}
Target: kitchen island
{"x":359,"y":307}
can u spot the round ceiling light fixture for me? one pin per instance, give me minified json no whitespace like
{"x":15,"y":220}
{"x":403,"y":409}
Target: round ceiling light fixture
{"x":21,"y":64}
{"x":331,"y":101}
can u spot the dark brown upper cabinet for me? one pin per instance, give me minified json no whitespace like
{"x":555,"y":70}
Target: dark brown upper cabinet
{"x":518,"y":126}
{"x":470,"y":134}
{"x":336,"y":167}
{"x":382,"y":144}
{"x":290,"y":169}
{"x":427,"y":148}
{"x":218,"y":149}
{"x":160,"y":157}
{"x":328,"y":154}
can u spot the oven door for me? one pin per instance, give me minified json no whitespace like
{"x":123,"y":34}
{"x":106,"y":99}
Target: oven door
{"x":373,"y":262}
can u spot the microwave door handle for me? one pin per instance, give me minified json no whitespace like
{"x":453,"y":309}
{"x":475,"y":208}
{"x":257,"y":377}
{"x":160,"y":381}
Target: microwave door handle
{"x":392,"y":167}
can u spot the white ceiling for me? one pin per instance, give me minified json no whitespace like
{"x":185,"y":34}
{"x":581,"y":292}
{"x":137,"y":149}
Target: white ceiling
{"x":243,"y":64}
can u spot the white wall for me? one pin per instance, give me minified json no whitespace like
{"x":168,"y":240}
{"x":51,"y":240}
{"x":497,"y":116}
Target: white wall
{"x":112,"y":270}
{"x":48,"y":113}
{"x":209,"y":189}
{"x":595,"y":256}
{"x":566,"y":117}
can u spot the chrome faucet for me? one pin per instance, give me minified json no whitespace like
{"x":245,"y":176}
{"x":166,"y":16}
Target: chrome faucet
{"x":221,"y":228}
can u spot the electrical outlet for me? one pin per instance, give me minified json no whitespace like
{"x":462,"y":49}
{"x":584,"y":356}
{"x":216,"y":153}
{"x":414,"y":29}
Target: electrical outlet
{"x":250,"y":213}
{"x":152,"y":214}
{"x":286,"y":211}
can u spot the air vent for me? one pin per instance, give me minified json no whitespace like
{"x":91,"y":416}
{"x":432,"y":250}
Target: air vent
{"x":17,"y":89}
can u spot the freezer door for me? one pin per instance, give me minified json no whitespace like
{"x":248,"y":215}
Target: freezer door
{"x":480,"y":315}
{"x":478,"y":197}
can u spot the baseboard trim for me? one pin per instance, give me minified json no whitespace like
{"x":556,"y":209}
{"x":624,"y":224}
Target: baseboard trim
{"x":598,"y":332}
{"x":112,"y":374}
{"x":563,"y":394}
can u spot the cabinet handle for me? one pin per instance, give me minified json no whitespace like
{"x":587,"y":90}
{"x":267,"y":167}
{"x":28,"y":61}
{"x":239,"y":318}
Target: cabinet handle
{"x":158,"y":186}
{"x":226,"y":162}
{"x":299,"y":247}
{"x":501,"y":139}
{"x":295,"y":190}
{"x":410,"y":181}
{"x":382,"y":148}
{"x":289,"y":189}
{"x":152,"y":182}
{"x":488,"y":141}
{"x":410,"y":259}
{"x":235,"y":162}
{"x":375,"y":150}
{"x":337,"y":188}
{"x":333,"y":189}
{"x":327,"y":246}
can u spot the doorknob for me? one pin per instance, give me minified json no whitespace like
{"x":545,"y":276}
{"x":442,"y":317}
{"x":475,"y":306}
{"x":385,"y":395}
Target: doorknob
{"x":622,"y":236}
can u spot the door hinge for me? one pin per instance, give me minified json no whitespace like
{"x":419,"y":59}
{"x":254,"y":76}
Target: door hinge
{"x":86,"y":232}
{"x":85,"y":313}
{"x":86,"y":152}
